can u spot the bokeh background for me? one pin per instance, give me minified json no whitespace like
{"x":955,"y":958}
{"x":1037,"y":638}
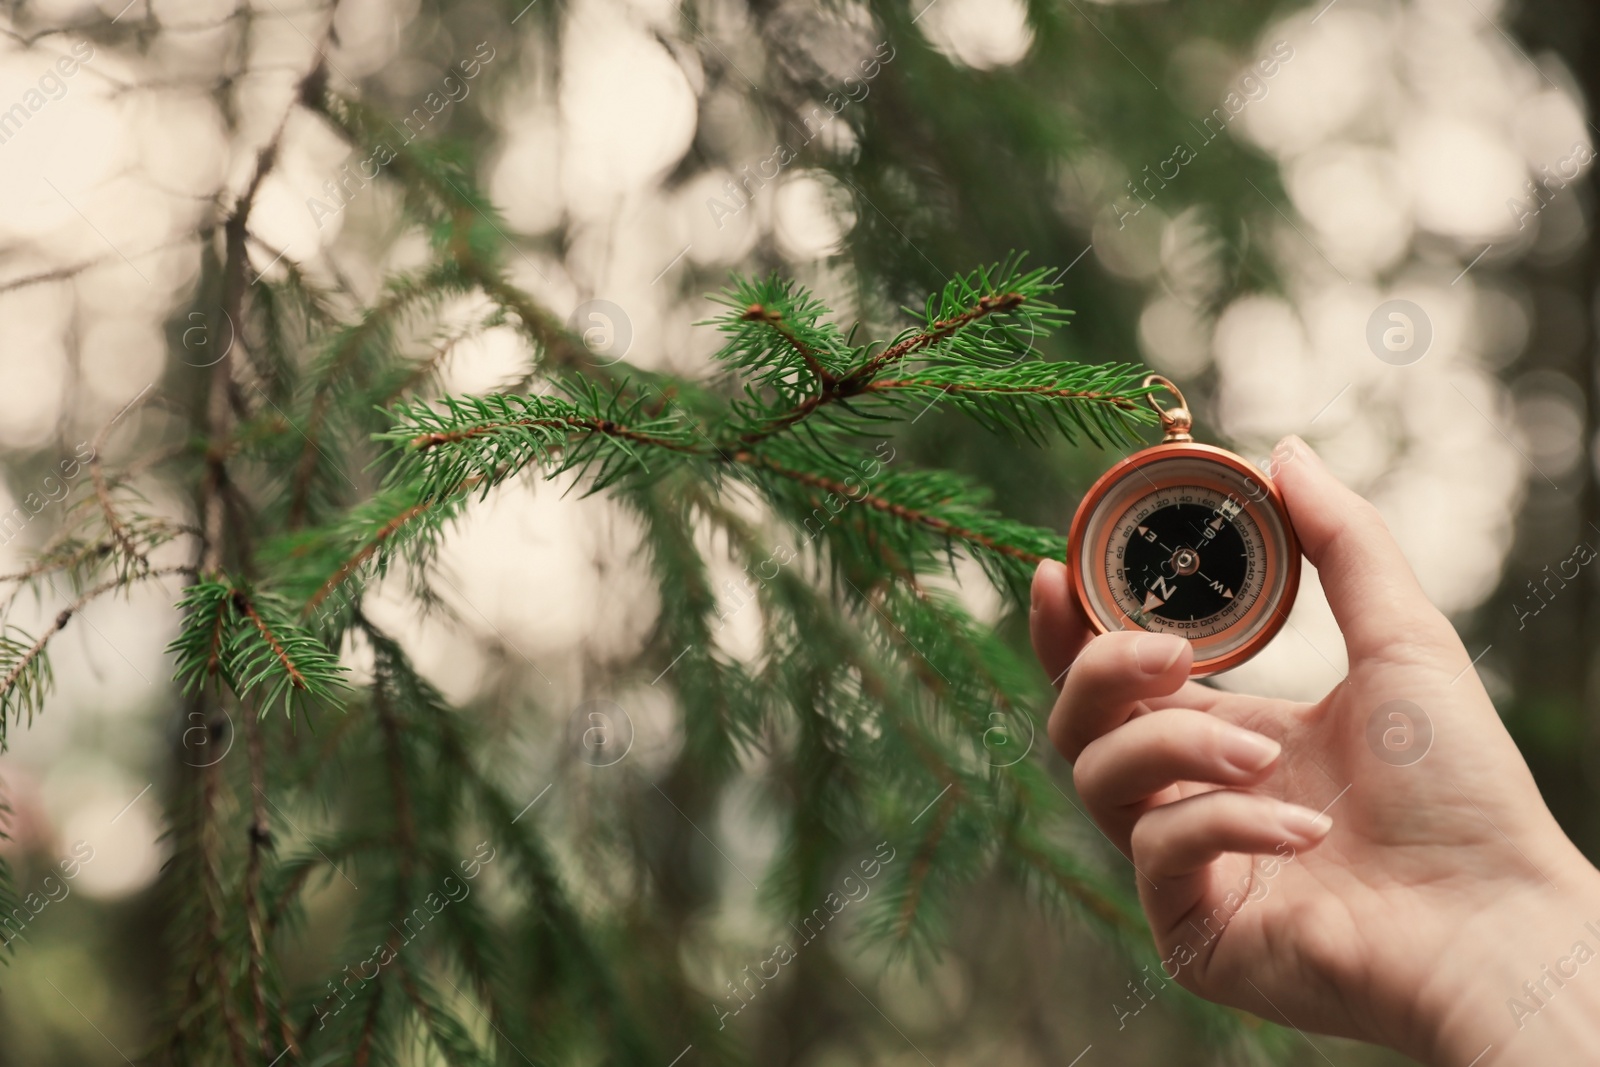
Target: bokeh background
{"x":1365,"y":222}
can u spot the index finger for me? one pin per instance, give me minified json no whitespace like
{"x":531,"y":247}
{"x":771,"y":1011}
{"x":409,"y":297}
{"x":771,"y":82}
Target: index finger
{"x":1370,"y":586}
{"x":1115,"y":674}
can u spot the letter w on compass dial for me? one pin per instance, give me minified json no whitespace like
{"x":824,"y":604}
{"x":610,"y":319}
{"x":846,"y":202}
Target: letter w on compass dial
{"x":1186,"y":561}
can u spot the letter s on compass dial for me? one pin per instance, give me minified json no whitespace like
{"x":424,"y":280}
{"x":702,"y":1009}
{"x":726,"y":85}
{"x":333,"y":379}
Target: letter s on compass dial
{"x":1187,"y":539}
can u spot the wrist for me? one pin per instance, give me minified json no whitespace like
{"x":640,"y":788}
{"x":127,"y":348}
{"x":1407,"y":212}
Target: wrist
{"x":1520,"y":983}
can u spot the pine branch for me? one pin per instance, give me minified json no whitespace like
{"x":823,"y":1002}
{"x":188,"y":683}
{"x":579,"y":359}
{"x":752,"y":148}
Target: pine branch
{"x":378,"y":545}
{"x":485,"y":440}
{"x":275,"y":654}
{"x":974,"y":335}
{"x":960,"y":315}
{"x":434,"y":729}
{"x":443,"y":194}
{"x":1030,"y":398}
{"x":779,"y":332}
{"x":249,"y":639}
{"x":27,"y":679}
{"x":774,"y":319}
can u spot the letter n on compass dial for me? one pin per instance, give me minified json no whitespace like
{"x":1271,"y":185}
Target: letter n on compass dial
{"x":1190,"y":540}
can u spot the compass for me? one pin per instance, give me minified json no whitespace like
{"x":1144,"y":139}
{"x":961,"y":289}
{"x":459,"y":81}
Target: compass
{"x":1187,"y":539}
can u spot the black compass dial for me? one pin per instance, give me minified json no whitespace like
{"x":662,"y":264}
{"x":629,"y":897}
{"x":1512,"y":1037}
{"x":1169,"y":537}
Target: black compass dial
{"x":1186,"y":562}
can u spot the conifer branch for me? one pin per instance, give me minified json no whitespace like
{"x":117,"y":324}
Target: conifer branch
{"x":243,"y":602}
{"x":366,"y":552}
{"x":248,"y":639}
{"x":119,"y":535}
{"x":982,"y":361}
{"x":485,"y":440}
{"x":840,"y":642}
{"x":939,"y":330}
{"x":454,"y":200}
{"x":774,"y":319}
{"x":27,"y":680}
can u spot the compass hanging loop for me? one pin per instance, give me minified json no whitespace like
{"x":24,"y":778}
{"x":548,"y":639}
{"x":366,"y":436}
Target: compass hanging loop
{"x":1175,"y":421}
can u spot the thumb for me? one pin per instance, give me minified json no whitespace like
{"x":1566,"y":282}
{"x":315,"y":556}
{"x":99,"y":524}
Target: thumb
{"x":1370,"y":587}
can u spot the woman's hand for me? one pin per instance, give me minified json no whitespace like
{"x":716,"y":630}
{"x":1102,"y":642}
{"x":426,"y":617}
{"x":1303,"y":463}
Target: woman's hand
{"x":1299,"y":860}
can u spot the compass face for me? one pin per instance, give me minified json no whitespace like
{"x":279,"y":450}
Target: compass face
{"x":1189,"y":540}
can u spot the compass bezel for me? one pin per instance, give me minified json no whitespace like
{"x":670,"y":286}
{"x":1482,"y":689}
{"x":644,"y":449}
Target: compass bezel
{"x":1270,"y":500}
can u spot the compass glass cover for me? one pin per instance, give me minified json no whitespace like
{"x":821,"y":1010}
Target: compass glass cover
{"x":1188,"y":546}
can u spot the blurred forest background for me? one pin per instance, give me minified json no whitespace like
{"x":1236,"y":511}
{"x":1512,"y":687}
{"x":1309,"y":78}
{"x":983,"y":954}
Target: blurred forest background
{"x":1235,"y":193}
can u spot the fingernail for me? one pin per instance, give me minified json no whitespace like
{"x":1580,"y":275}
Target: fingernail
{"x":1156,"y":652}
{"x":1049,"y":570}
{"x":1304,"y":823}
{"x":1249,"y":752}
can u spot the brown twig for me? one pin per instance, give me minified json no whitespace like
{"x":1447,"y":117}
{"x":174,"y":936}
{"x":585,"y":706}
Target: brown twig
{"x":860,"y":380}
{"x":242,"y":601}
{"x":991,"y":304}
{"x":349,"y":566}
{"x":774,"y":319}
{"x":605,"y":426}
{"x":65,"y":616}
